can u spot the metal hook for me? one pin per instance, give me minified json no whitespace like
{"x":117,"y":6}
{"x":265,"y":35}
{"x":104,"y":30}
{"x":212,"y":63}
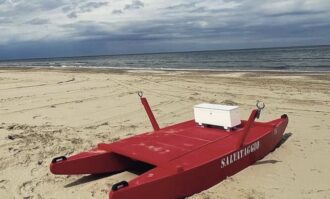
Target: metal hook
{"x":140,"y":93}
{"x":260,"y":105}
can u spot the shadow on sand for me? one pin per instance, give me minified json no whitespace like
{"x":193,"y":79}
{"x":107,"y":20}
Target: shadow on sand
{"x":285,"y":137}
{"x":89,"y":178}
{"x":267,"y":162}
{"x":136,"y":168}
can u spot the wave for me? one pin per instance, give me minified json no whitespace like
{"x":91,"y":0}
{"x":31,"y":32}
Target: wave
{"x":274,"y":69}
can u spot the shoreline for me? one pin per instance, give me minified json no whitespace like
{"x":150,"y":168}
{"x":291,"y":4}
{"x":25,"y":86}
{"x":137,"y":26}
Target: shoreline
{"x":141,"y":70}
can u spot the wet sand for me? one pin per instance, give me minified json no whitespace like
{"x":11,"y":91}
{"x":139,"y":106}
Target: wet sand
{"x":47,"y":113}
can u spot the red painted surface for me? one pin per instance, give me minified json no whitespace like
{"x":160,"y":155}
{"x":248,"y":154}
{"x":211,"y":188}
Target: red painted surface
{"x":187,"y":158}
{"x":150,"y":114}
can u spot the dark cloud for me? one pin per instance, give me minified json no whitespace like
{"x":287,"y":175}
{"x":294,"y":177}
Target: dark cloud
{"x":188,"y":30}
{"x":112,"y":46}
{"x":136,"y":4}
{"x":88,"y":30}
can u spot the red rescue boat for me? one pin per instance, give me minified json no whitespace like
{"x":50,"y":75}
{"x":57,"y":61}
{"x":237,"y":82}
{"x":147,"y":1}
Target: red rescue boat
{"x":179,"y":160}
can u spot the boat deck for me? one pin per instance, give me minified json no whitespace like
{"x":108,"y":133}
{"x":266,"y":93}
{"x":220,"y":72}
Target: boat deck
{"x":168,"y":143}
{"x":173,"y":142}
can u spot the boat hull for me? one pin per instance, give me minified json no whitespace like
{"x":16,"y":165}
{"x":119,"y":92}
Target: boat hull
{"x":179,"y":183}
{"x":185,"y":158}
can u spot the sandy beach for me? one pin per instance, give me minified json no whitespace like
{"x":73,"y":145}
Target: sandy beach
{"x":46,"y":113}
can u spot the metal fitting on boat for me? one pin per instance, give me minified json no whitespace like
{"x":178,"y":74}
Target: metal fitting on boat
{"x":59,"y":159}
{"x":140,"y":93}
{"x":119,"y":185}
{"x":260,"y":105}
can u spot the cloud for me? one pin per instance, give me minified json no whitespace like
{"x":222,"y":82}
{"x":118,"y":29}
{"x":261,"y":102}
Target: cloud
{"x":66,"y":9}
{"x":163,"y":25}
{"x":38,"y":21}
{"x":74,"y":9}
{"x":91,"y":5}
{"x":136,"y":4}
{"x":72,"y":15}
{"x":181,"y":6}
{"x":117,"y":12}
{"x":297,"y":13}
{"x":5,"y":20}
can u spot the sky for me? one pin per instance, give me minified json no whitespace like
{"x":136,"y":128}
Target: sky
{"x":56,"y":28}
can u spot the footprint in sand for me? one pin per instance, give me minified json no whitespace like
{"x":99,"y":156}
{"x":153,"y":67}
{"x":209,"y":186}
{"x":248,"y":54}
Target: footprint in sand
{"x":3,"y":184}
{"x":34,"y":171}
{"x":26,"y":189}
{"x":36,"y":116}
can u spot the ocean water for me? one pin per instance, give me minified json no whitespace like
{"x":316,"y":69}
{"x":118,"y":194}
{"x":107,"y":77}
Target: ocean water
{"x":314,"y":58}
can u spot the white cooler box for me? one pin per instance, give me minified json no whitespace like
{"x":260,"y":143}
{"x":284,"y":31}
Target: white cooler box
{"x":217,"y":115}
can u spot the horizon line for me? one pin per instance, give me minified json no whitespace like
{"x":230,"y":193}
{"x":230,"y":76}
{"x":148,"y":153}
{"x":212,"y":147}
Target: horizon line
{"x":165,"y":52}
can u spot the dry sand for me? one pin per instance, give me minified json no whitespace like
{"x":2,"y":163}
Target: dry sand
{"x":47,"y":113}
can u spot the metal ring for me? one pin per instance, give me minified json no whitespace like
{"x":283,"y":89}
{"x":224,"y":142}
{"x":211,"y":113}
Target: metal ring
{"x":140,"y":93}
{"x":260,"y":105}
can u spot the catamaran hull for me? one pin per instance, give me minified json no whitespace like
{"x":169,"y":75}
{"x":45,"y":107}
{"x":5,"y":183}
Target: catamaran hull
{"x":180,"y":184}
{"x":181,"y":160}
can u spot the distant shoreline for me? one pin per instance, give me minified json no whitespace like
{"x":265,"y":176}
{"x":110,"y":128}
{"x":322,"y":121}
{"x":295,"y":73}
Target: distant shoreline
{"x":165,"y":52}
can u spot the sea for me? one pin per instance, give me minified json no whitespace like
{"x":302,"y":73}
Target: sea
{"x":290,"y":59}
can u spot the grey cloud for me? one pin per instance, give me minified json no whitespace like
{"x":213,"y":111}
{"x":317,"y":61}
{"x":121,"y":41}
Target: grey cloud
{"x":136,"y":4}
{"x":181,"y":6}
{"x":297,"y":13}
{"x":88,"y":29}
{"x":6,"y":20}
{"x":187,"y":25}
{"x":21,"y":9}
{"x":92,"y":5}
{"x":237,"y":28}
{"x":200,"y":10}
{"x":117,"y":12}
{"x":51,"y":4}
{"x":38,"y":21}
{"x":67,"y":8}
{"x":155,"y":30}
{"x":72,"y":15}
{"x":72,"y":11}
